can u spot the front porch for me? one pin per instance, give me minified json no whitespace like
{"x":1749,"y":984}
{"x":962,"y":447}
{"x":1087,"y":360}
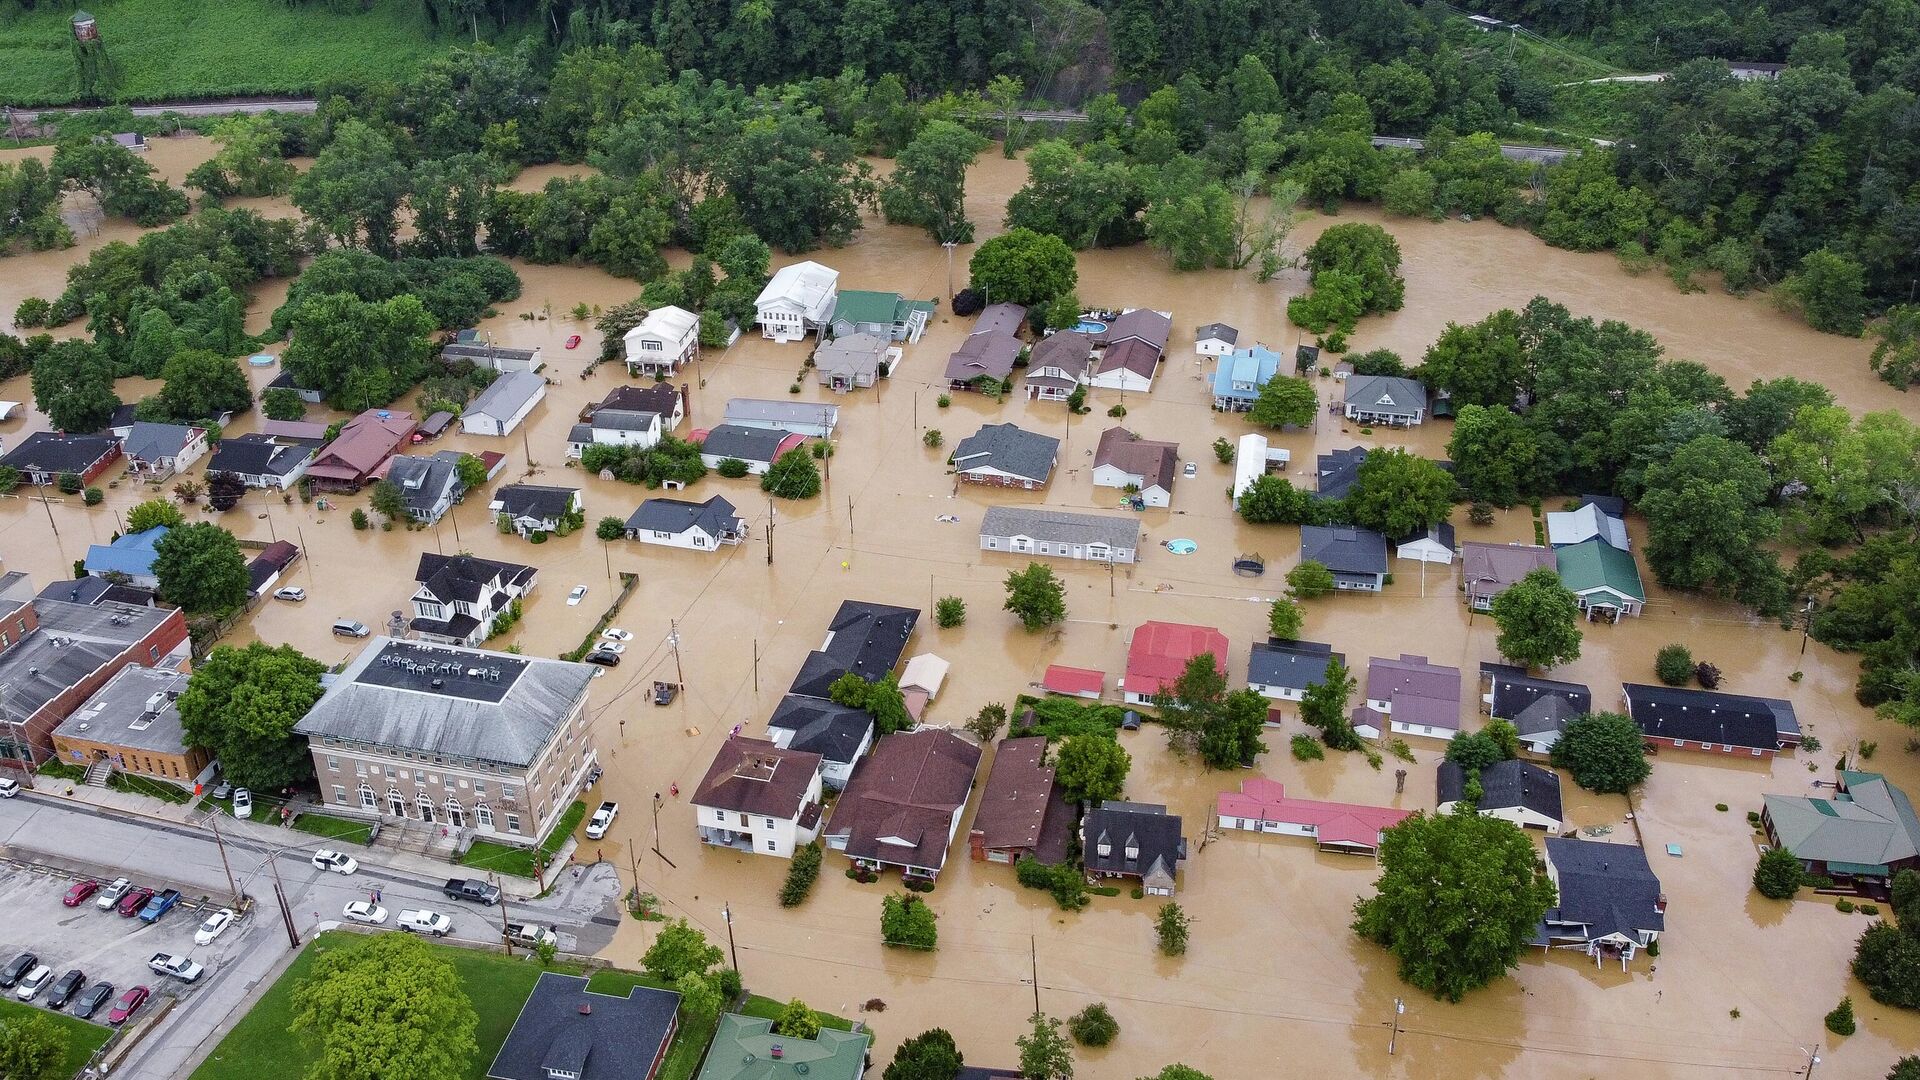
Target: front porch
{"x":907,"y":873}
{"x":713,"y":836}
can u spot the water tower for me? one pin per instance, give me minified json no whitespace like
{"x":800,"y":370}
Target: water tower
{"x":85,"y":29}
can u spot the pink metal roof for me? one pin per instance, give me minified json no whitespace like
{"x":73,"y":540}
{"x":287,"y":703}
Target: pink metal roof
{"x":1334,"y":823}
{"x":1160,"y":652}
{"x":1073,"y":680}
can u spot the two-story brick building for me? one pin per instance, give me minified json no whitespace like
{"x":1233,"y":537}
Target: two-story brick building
{"x":463,"y":738}
{"x":55,"y":654}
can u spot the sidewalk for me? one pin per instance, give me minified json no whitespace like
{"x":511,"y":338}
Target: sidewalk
{"x":259,"y":834}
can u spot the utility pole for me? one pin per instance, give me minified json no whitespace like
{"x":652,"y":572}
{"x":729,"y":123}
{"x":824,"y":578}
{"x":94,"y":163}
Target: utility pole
{"x":280,"y":894}
{"x":1813,"y":1059}
{"x":506,"y":938}
{"x":849,"y":517}
{"x":769,"y":530}
{"x":673,"y":642}
{"x":633,"y":858}
{"x":949,"y":245}
{"x":756,"y":665}
{"x":656,"y":832}
{"x":726,"y":913}
{"x":1399,"y":1007}
{"x":1806,"y":625}
{"x":1109,"y":576}
{"x":1033,"y":954}
{"x":48,"y":504}
{"x":213,"y":819}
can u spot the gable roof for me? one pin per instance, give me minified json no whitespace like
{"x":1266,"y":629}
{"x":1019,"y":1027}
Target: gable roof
{"x":999,"y":319}
{"x":1140,"y":357}
{"x":1596,"y":564}
{"x":484,"y":353}
{"x":1505,"y":785}
{"x":1349,"y":825}
{"x":1021,"y":806}
{"x":1420,"y":692}
{"x":505,"y":396}
{"x":764,"y":412}
{"x":863,"y":638}
{"x":1672,"y":712}
{"x":659,"y":398}
{"x":1159,"y":652}
{"x":806,"y":285}
{"x":1217,"y":331}
{"x":150,"y":442}
{"x":534,"y":501}
{"x":591,"y":1036}
{"x":870,"y":306}
{"x":1606,"y":888}
{"x":668,"y":322}
{"x":1152,"y":460}
{"x":364,"y":442}
{"x":467,"y":577}
{"x":818,"y":726}
{"x":1145,"y":826}
{"x":1589,"y":522}
{"x":1391,"y":395}
{"x":1061,"y":527}
{"x":1061,"y":679}
{"x":1010,"y":449}
{"x":677,"y":516}
{"x":991,"y":353}
{"x":423,"y":482}
{"x":1243,"y":372}
{"x":1516,"y":692}
{"x":749,"y":444}
{"x":1870,"y":823}
{"x":132,"y":554}
{"x":1344,"y":550}
{"x":1440,"y":532}
{"x":753,"y":776}
{"x":1292,"y":664}
{"x":1149,"y":327}
{"x":1487,"y":569}
{"x":57,"y":452}
{"x":1068,"y":350}
{"x":1338,"y":470}
{"x":855,"y":354}
{"x":307,"y":430}
{"x":259,"y":455}
{"x":899,"y":806}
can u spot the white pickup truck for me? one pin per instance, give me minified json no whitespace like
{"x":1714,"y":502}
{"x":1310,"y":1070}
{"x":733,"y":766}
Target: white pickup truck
{"x":179,"y":967}
{"x":602,"y":820}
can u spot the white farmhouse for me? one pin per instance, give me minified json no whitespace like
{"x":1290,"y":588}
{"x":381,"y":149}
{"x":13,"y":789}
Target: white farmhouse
{"x":757,"y":797}
{"x":799,"y":300}
{"x":667,"y":338}
{"x":503,"y":404}
{"x":678,"y":523}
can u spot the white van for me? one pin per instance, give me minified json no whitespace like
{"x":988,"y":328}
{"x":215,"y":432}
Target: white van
{"x":9,"y":787}
{"x":425,"y":921}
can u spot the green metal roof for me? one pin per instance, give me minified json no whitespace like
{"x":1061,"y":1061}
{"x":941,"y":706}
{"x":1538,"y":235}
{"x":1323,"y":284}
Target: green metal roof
{"x":864,"y":306}
{"x":743,"y":1049}
{"x":1878,"y":870}
{"x":1595,"y":564}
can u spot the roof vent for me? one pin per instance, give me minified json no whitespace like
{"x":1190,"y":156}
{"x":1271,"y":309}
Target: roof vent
{"x":438,"y":683}
{"x":586,"y":1008}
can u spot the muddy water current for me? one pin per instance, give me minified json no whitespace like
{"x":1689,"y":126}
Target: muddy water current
{"x":1274,"y":984}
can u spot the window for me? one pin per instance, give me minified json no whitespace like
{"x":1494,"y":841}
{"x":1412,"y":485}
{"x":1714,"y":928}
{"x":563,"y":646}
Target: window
{"x":769,"y":823}
{"x":506,"y":791}
{"x":366,"y":797}
{"x":447,"y":783}
{"x":513,"y":823}
{"x":359,"y":768}
{"x":389,"y":772}
{"x":333,"y":764}
{"x":771,"y":845}
{"x":719,"y":815}
{"x":480,"y":788}
{"x":339,"y":794}
{"x":484,"y":814}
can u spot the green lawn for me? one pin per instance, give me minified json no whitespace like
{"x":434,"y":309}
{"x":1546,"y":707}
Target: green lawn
{"x":768,"y":1009}
{"x":168,"y":49}
{"x":518,"y":861}
{"x":82,"y":1038}
{"x":333,"y":828}
{"x":153,"y":789}
{"x":262,"y":1045}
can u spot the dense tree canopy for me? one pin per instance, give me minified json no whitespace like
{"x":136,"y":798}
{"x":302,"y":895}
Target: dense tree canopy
{"x":200,"y":567}
{"x":1539,"y":621}
{"x":242,"y":703}
{"x":1603,"y":752}
{"x":1023,"y":267}
{"x":392,"y":1006}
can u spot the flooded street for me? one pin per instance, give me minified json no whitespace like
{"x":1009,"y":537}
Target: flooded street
{"x":1274,"y":982}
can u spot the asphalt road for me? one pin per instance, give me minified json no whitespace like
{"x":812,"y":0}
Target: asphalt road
{"x":36,"y":829}
{"x":192,"y":108}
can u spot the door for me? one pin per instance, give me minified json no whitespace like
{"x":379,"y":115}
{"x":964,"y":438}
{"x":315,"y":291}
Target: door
{"x":426,"y":810}
{"x":456,"y":816}
{"x":395,"y":804}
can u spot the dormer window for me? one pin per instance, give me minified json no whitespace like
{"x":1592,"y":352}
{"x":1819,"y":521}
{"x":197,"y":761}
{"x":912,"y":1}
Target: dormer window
{"x":1133,"y":850}
{"x":1105,"y":848}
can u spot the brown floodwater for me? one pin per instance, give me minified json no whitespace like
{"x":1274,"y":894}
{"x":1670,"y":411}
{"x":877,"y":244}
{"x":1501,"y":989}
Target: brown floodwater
{"x":1274,"y":983}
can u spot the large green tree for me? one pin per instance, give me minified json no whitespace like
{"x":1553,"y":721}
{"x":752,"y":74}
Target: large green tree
{"x":1539,"y":621}
{"x":1458,"y":899}
{"x":1495,"y":454}
{"x":928,"y":185}
{"x":359,"y":353}
{"x":798,"y":184}
{"x":1091,"y":768}
{"x":1707,"y":521}
{"x":679,"y":949}
{"x":1231,"y":739}
{"x":200,"y":568}
{"x":1192,"y":702}
{"x":1887,"y":959}
{"x":1398,"y":493}
{"x":930,"y":1055}
{"x":1366,"y":251}
{"x":32,"y":1047}
{"x":1036,"y":595}
{"x":906,"y":921}
{"x":200,"y":385}
{"x":1285,"y":402}
{"x":1483,"y":363}
{"x":1603,"y":752}
{"x":354,"y":188}
{"x":73,"y":385}
{"x":1324,"y":706}
{"x":392,"y":1007}
{"x":242,"y":703}
{"x":1024,"y":267}
{"x":1045,"y":1054}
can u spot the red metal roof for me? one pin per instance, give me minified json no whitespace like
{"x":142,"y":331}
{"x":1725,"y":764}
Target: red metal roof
{"x":1334,"y":823}
{"x":1160,"y":652}
{"x":1061,"y":679}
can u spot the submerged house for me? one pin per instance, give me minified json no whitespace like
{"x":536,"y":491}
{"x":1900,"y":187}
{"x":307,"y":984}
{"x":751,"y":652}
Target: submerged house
{"x":1124,"y":460}
{"x":1263,"y":806}
{"x":363,"y":445}
{"x":1133,"y":840}
{"x":853,"y":362}
{"x":1487,"y":570}
{"x":531,"y":508}
{"x":1610,"y":900}
{"x":667,"y":338}
{"x":1515,"y":790}
{"x":1058,"y":365}
{"x":1240,"y":375}
{"x":1710,"y":721}
{"x":1158,"y":655}
{"x":1862,"y":835}
{"x":458,"y":599}
{"x":1357,"y":557}
{"x":1006,"y":455}
{"x":886,"y":315}
{"x":1413,"y":696}
{"x":1538,"y":708}
{"x":1041,"y":530}
{"x":902,"y":808}
{"x":758,"y":797}
{"x":798,"y":300}
{"x":1022,"y":811}
{"x":1386,"y":400}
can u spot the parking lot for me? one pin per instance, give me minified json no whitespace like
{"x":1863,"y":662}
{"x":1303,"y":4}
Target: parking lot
{"x":103,"y":944}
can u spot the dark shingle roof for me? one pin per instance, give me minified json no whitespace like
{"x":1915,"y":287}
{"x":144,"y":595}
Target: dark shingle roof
{"x":463,"y":577}
{"x":1505,"y":785}
{"x":899,"y":806}
{"x":1344,"y":550}
{"x":1292,"y":664}
{"x":863,"y":638}
{"x":835,"y":732}
{"x":1008,"y":448}
{"x":753,"y":776}
{"x":1608,"y":887}
{"x":745,"y":443}
{"x":534,"y":500}
{"x":1148,"y":825}
{"x":1338,"y":471}
{"x":48,"y":451}
{"x":676,"y":516}
{"x":259,"y":455}
{"x":592,"y":1036}
{"x":1515,"y":692}
{"x":1669,"y":712}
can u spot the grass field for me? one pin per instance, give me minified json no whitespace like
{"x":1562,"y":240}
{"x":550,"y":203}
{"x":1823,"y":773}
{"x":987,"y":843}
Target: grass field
{"x":167,"y":49}
{"x":261,"y":1044}
{"x":518,"y":861}
{"x":82,"y":1038}
{"x":333,"y":828}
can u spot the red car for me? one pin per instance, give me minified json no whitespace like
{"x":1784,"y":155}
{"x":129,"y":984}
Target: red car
{"x":573,"y":341}
{"x":77,"y":893}
{"x":123,"y":1008}
{"x":135,"y":899}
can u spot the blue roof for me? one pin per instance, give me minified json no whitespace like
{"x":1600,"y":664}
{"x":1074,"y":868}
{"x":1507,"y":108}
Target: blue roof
{"x":1247,"y":367}
{"x":132,"y":554}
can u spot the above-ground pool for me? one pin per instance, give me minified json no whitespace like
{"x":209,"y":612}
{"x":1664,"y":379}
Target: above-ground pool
{"x":1182,"y":547}
{"x":1090,"y":326}
{"x":262,"y":359}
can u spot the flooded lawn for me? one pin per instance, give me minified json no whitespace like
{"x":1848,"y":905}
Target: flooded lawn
{"x":1274,"y":983}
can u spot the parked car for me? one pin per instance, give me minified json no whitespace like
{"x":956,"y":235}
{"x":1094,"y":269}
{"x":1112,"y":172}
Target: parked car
{"x":361,"y":911}
{"x":92,"y":999}
{"x":614,"y":633}
{"x":9,"y":787}
{"x":17,"y":969}
{"x":350,"y":628}
{"x":1192,"y":470}
{"x":33,"y":982}
{"x":617,"y":648}
{"x":573,"y":341}
{"x":134,"y":997}
{"x":78,"y":892}
{"x":424,"y":921}
{"x":242,"y":803}
{"x":471,"y":889}
{"x":65,"y":987}
{"x":603,"y":658}
{"x":161,"y":904}
{"x":325,"y":859}
{"x":180,"y":967}
{"x":602,"y":820}
{"x":578,"y":594}
{"x":292,"y":592}
{"x":531,"y":935}
{"x":223,"y":790}
{"x":135,"y":899}
{"x":215,"y":925}
{"x":111,"y":895}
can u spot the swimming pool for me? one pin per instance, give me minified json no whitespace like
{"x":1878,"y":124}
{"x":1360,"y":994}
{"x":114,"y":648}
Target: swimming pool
{"x":1090,"y":326}
{"x":1182,"y":547}
{"x":262,"y":359}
